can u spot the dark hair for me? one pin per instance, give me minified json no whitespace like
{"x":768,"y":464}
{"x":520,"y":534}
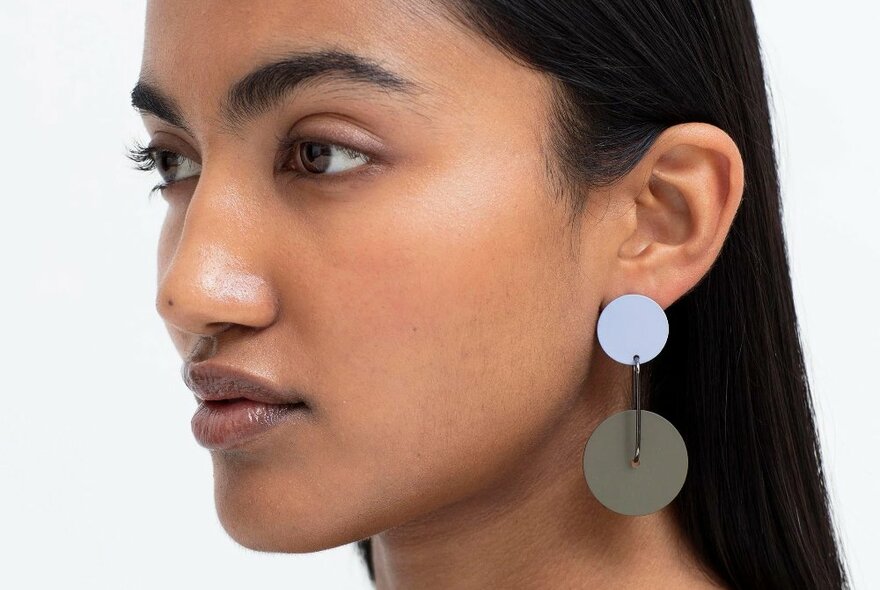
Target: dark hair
{"x":731,"y":377}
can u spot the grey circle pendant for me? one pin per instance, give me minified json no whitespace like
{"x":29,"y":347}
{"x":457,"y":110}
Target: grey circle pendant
{"x":611,"y":476}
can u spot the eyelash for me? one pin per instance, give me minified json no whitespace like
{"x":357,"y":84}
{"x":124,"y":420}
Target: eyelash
{"x":146,"y":159}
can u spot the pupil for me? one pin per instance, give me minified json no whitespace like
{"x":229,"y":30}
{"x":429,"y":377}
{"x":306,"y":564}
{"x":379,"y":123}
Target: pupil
{"x":316,"y":153}
{"x":166,"y":168}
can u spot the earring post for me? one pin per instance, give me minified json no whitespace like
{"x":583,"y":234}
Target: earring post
{"x":638,"y":407}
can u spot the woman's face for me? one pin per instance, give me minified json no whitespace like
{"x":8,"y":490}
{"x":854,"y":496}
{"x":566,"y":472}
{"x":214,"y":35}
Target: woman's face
{"x":421,"y":292}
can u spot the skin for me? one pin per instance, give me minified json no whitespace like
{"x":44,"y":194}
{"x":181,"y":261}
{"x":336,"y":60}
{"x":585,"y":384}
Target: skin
{"x":439,"y":315}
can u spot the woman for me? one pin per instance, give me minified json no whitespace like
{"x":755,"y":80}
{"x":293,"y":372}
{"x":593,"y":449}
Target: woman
{"x":392,"y":227}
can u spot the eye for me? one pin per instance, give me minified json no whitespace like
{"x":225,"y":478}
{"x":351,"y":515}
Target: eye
{"x":309,"y":159}
{"x":174,"y":167}
{"x":314,"y":158}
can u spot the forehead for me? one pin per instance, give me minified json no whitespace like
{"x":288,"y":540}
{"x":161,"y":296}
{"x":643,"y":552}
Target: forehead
{"x":195,"y":50}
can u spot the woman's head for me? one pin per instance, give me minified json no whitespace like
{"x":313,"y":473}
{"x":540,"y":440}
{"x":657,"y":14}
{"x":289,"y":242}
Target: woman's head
{"x":420,"y":236}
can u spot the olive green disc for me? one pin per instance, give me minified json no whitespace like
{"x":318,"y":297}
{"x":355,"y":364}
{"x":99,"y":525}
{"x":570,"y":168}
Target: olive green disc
{"x":659,"y":476}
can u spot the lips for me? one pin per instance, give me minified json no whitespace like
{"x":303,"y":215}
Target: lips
{"x":236,"y":407}
{"x":228,"y":424}
{"x":213,"y":382}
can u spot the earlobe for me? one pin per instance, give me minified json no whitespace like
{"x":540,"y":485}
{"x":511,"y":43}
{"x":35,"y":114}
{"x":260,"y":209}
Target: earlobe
{"x":689,"y":187}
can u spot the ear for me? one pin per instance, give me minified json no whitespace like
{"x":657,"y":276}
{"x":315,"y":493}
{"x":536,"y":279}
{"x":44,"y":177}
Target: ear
{"x":680,"y":201}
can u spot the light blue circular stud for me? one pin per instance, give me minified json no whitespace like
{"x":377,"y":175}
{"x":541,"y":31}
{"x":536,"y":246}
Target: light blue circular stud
{"x":632,"y":325}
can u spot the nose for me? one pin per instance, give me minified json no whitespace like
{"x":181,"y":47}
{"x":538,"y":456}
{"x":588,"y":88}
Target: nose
{"x":215,"y":277}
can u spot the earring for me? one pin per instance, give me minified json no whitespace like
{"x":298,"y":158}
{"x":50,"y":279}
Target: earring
{"x":635,"y":461}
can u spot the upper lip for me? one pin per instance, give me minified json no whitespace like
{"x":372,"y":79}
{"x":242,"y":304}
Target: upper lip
{"x":212,"y":382}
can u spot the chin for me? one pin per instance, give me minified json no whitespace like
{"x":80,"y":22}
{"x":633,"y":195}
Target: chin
{"x":262,"y":527}
{"x":269,"y":538}
{"x":271,"y":513}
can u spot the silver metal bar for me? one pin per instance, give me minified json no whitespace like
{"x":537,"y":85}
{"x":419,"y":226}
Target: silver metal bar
{"x":637,"y":402}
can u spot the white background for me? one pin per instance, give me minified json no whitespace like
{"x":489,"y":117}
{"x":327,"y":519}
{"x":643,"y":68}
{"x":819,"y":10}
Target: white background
{"x":101,"y":482}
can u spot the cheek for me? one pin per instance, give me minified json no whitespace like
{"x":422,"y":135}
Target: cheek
{"x":443,"y":341}
{"x":446,"y":347}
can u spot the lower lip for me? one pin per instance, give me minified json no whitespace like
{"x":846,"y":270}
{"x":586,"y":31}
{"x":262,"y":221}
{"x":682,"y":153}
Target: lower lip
{"x":220,"y":425}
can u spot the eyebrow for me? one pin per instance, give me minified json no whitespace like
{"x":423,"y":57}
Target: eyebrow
{"x":266,"y":86}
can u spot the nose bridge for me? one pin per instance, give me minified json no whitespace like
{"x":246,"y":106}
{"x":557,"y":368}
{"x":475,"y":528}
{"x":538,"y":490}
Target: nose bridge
{"x":216,"y":275}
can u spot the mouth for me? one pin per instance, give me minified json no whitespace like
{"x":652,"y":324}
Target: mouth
{"x":236,"y":406}
{"x":226,"y":424}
